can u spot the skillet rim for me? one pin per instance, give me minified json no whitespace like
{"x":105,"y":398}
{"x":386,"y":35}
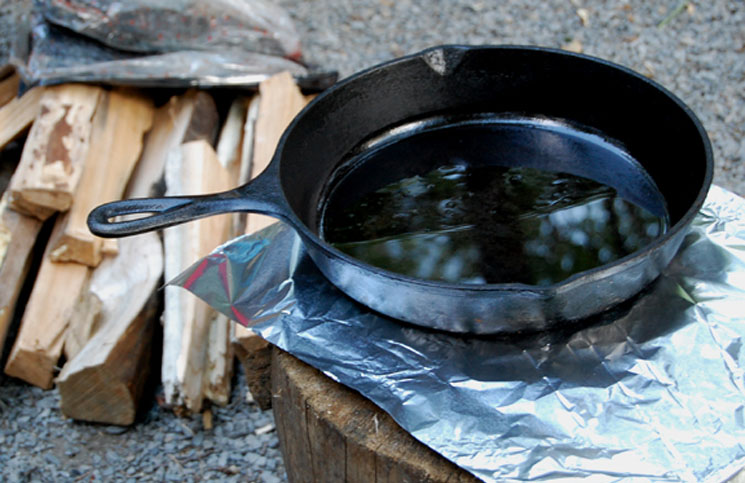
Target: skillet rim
{"x":543,"y":291}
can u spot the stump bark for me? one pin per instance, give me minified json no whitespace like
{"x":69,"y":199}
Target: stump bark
{"x":330,"y":433}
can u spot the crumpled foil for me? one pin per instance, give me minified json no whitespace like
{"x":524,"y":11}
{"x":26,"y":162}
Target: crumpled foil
{"x":653,"y":390}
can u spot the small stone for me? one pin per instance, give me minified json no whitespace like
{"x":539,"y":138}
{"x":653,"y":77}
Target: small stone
{"x":213,"y":460}
{"x":269,"y":478}
{"x":575,"y":45}
{"x":252,"y":442}
{"x":267,"y":428}
{"x":116,"y":429}
{"x":207,"y":419}
{"x":584,"y":16}
{"x":51,"y":459}
{"x":112,"y":457}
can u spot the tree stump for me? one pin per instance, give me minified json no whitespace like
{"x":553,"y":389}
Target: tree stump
{"x":330,"y":433}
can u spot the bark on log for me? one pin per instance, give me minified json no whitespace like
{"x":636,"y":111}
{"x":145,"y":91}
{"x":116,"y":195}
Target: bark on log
{"x":328,"y":432}
{"x":255,"y":354}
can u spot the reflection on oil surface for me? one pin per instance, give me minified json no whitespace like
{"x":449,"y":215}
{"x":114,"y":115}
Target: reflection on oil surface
{"x":491,"y":224}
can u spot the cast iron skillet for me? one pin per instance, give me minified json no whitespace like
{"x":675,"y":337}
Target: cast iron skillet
{"x":648,"y":122}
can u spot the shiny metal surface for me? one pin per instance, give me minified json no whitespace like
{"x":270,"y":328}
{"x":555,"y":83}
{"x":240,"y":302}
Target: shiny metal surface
{"x":651,"y":391}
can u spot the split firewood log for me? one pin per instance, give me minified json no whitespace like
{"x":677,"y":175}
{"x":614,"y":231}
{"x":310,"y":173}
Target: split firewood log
{"x":55,"y":150}
{"x":119,"y":124}
{"x":17,"y":114}
{"x":110,"y":344}
{"x":279,"y":101}
{"x":109,"y":340}
{"x":41,"y":335}
{"x":192,"y":335}
{"x":17,"y":237}
{"x":9,"y":88}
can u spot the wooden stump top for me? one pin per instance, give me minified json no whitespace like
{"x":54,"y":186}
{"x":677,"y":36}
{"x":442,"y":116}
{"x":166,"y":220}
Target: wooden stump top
{"x":330,"y":433}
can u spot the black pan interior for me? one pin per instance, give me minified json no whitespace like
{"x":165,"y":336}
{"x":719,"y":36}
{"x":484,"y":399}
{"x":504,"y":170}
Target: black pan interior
{"x":456,"y":83}
{"x":486,"y":139}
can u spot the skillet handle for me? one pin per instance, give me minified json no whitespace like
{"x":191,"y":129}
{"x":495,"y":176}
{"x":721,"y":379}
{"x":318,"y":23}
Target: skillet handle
{"x":261,"y":195}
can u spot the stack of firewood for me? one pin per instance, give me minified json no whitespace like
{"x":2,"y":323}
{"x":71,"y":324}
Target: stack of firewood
{"x":95,"y":305}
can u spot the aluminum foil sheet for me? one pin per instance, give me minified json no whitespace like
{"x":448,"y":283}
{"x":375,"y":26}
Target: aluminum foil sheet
{"x":652,"y":391}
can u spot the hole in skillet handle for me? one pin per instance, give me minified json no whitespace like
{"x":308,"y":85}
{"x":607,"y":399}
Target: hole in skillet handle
{"x":159,"y":213}
{"x":261,"y":195}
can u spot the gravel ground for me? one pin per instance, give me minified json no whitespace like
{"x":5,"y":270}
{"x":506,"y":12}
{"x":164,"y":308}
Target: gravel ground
{"x":41,"y":445}
{"x":698,"y":54}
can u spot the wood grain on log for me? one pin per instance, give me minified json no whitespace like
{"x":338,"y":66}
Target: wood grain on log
{"x":121,"y":120}
{"x":230,"y":147}
{"x":231,"y":136}
{"x":247,"y":147}
{"x":279,"y":101}
{"x":255,"y":354}
{"x":187,"y":320}
{"x":110,"y":337}
{"x":18,"y":114}
{"x":328,"y":432}
{"x":9,"y":88}
{"x":180,"y":118}
{"x":53,"y":157}
{"x":104,"y":377}
{"x":17,"y":237}
{"x":41,"y":336}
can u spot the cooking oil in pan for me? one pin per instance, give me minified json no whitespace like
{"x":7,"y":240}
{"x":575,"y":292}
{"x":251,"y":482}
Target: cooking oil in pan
{"x":481,"y":224}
